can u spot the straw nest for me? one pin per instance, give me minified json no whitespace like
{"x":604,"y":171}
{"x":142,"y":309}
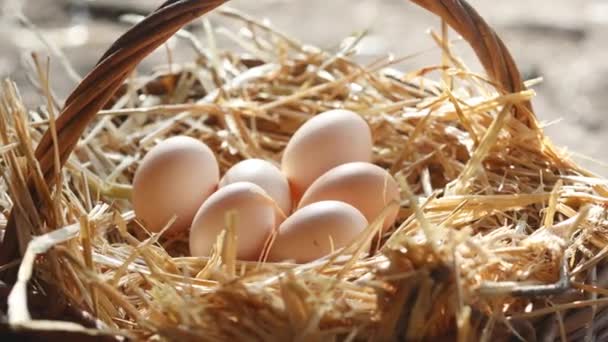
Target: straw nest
{"x":499,"y":234}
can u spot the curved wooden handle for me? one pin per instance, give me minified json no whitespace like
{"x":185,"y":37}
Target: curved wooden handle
{"x":97,"y":89}
{"x":127,"y":52}
{"x":113,"y":68}
{"x":124,"y":55}
{"x":489,"y":48}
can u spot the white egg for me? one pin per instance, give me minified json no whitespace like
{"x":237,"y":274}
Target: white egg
{"x":312,"y":231}
{"x":365,"y":186}
{"x":173,"y":179}
{"x":325,"y":141}
{"x":265,"y":175}
{"x":255,"y":220}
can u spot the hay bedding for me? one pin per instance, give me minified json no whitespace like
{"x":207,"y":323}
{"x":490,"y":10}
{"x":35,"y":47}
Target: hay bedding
{"x":499,"y":234}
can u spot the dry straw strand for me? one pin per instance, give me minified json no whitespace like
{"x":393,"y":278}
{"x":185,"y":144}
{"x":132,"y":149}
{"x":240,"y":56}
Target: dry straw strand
{"x":493,"y":218}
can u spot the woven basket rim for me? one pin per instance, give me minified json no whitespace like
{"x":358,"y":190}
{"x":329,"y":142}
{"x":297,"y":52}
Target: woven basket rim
{"x":90,"y":96}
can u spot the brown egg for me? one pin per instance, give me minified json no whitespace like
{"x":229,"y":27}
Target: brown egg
{"x":308,"y":233}
{"x":365,"y":186}
{"x":255,"y":220}
{"x":174,"y":178}
{"x":325,"y":141}
{"x":265,"y":175}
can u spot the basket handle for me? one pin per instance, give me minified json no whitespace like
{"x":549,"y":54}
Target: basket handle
{"x":124,"y":55}
{"x":489,"y":48}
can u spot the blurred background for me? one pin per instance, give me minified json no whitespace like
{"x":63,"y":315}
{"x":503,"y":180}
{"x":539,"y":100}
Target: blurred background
{"x":564,"y":41}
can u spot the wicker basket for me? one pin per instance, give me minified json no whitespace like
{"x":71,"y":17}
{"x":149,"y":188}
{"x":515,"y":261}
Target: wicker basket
{"x":99,"y":86}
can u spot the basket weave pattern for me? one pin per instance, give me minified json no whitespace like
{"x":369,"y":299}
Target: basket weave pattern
{"x":110,"y":73}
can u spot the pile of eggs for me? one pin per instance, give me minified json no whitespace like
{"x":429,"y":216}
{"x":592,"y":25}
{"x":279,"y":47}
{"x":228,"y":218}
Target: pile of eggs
{"x":325,"y":193}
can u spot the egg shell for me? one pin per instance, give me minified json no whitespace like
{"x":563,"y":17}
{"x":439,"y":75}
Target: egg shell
{"x":365,"y":186}
{"x":265,"y":175}
{"x":325,"y":141}
{"x":173,"y":179}
{"x":306,"y":234}
{"x":255,"y":220}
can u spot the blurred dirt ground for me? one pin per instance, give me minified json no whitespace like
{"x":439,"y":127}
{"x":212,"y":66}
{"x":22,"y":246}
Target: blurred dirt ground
{"x":563,"y":41}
